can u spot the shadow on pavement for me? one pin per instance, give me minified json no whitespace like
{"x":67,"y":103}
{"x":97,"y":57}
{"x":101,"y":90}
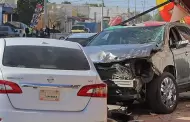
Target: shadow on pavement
{"x":141,"y":111}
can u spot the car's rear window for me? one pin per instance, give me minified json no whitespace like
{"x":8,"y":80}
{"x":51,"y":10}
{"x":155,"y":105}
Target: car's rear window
{"x":45,"y":57}
{"x":4,"y":29}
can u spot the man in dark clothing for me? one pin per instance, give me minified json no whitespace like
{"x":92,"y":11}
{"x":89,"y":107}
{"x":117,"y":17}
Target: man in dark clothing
{"x":27,"y":32}
{"x":47,"y":30}
{"x":53,"y":28}
{"x":41,"y":33}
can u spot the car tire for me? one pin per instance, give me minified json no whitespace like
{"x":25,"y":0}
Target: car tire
{"x":111,"y":120}
{"x":163,"y":94}
{"x":62,"y":38}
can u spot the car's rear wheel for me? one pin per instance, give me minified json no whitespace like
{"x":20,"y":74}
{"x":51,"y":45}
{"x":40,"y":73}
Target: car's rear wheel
{"x":111,"y":120}
{"x":162,"y":94}
{"x":62,"y":38}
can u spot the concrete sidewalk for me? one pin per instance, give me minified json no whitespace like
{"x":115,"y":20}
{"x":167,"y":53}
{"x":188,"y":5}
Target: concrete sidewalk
{"x":182,"y":113}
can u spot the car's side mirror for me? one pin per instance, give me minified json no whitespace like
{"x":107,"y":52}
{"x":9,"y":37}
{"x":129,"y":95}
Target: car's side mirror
{"x":181,"y":44}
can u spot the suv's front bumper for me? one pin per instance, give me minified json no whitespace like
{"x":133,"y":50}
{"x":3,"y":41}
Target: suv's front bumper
{"x":122,"y":91}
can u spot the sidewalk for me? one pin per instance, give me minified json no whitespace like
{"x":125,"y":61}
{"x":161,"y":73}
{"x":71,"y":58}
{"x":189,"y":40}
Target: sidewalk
{"x":182,"y":113}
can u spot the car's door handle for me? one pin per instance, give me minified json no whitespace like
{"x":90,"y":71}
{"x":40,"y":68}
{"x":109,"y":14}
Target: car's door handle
{"x":186,"y":53}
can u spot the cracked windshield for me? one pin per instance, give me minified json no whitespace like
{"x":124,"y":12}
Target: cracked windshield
{"x":130,"y":35}
{"x":94,"y":60}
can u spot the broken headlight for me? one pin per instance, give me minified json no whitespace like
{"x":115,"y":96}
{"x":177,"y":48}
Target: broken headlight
{"x":122,"y":72}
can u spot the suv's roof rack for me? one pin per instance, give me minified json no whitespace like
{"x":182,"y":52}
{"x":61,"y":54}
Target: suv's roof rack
{"x":145,"y":12}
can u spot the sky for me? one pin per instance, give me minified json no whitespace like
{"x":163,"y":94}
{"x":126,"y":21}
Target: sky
{"x":119,"y":3}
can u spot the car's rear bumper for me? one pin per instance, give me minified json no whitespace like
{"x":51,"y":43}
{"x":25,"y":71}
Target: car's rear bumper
{"x":96,"y":111}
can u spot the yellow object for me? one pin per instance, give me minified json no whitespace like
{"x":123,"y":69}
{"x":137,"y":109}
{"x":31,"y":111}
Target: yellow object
{"x":74,"y":12}
{"x":30,"y":30}
{"x":182,"y":21}
{"x":77,"y":31}
{"x":158,"y":2}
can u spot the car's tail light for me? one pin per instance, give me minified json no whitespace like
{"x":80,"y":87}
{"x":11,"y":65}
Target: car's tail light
{"x":96,"y":90}
{"x":9,"y":87}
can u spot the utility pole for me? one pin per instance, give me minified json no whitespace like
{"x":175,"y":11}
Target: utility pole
{"x":145,"y":12}
{"x":65,"y":20}
{"x":128,"y":9}
{"x":128,"y":6}
{"x":108,"y":12}
{"x":45,"y":14}
{"x":102,"y":15}
{"x":135,"y":10}
{"x":153,"y":15}
{"x":95,"y":16}
{"x":143,"y":5}
{"x":11,"y":17}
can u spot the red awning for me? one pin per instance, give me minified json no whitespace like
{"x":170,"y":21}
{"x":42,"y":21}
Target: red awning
{"x":153,"y":23}
{"x":115,"y":21}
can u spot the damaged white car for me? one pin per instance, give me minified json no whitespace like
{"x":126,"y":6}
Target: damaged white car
{"x":144,"y":63}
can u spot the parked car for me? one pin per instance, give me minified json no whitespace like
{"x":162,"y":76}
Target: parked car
{"x":81,"y":38}
{"x":45,"y":80}
{"x":79,"y":29}
{"x":52,"y":30}
{"x":7,"y":31}
{"x":19,"y":26}
{"x":146,"y":63}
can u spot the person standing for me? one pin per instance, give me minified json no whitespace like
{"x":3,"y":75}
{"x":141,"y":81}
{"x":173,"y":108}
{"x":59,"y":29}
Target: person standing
{"x":41,"y":33}
{"x":26,"y":32}
{"x":53,"y":31}
{"x":47,"y":30}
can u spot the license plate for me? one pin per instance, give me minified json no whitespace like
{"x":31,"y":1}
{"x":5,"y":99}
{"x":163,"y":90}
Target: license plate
{"x":49,"y":95}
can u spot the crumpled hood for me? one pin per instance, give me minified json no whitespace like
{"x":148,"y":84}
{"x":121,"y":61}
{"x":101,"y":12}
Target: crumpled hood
{"x":111,"y":53}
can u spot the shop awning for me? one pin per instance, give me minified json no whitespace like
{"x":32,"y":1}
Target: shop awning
{"x":8,"y":8}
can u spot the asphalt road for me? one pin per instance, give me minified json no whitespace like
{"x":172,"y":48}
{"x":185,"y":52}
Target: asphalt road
{"x":182,"y":113}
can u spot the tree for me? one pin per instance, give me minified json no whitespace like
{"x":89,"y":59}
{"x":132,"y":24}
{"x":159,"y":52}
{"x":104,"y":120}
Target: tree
{"x":94,"y":5}
{"x":66,"y":2}
{"x":25,"y":9}
{"x":141,"y":19}
{"x":55,"y":14}
{"x":80,"y":15}
{"x":157,"y":17}
{"x":146,"y":17}
{"x":100,"y":5}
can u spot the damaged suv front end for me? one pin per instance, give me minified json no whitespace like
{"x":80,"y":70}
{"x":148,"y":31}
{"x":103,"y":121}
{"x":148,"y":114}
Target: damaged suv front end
{"x":125,"y":75}
{"x":122,"y":58}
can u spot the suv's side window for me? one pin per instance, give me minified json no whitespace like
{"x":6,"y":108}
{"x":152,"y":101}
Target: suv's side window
{"x":184,"y":31}
{"x":174,"y":36}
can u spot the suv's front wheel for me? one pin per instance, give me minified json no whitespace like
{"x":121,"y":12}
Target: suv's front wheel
{"x":162,"y":94}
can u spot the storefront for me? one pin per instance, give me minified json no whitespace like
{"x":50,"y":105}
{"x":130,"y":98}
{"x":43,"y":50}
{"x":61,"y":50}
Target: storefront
{"x":6,"y":11}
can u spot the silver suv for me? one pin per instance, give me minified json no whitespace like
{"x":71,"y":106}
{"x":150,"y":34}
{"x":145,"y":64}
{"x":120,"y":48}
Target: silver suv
{"x":7,"y":31}
{"x":144,"y":63}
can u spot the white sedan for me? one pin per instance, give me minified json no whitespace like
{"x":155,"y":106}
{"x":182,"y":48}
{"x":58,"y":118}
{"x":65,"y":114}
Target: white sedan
{"x":46,"y":80}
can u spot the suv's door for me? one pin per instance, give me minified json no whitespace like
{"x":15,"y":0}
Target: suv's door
{"x":180,"y":57}
{"x":4,"y":31}
{"x":185,"y":33}
{"x":11,"y":32}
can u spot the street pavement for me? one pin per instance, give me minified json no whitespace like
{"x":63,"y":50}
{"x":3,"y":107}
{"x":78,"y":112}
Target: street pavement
{"x":182,"y":113}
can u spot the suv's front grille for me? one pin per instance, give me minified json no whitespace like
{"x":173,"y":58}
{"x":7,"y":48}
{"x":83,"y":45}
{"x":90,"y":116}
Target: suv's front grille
{"x":122,"y":73}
